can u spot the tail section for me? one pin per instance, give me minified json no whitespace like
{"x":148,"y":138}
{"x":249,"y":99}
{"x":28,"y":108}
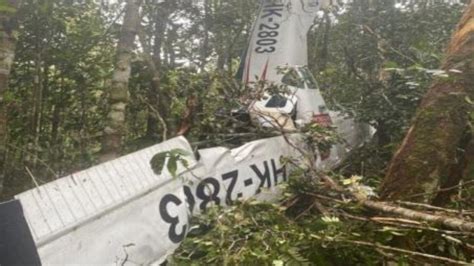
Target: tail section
{"x":278,"y":38}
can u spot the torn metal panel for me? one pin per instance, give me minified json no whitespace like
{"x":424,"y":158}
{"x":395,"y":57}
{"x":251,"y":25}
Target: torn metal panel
{"x":122,"y":212}
{"x":223,"y":176}
{"x":108,"y":212}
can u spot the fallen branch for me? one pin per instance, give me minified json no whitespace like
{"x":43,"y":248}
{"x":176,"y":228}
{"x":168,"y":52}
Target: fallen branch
{"x":453,"y":223}
{"x":394,"y":221}
{"x":434,"y":208}
{"x":449,"y":222}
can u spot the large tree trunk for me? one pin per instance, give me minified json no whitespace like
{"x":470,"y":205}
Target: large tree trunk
{"x":430,"y":149}
{"x":118,"y":96}
{"x":7,"y":53}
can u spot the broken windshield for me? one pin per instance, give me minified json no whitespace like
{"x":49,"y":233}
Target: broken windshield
{"x":298,"y":78}
{"x":308,"y":78}
{"x":291,"y":78}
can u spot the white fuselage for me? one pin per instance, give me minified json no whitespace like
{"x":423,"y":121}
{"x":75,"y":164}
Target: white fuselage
{"x":279,"y":41}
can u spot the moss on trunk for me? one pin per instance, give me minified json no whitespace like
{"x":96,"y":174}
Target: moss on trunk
{"x":118,"y":95}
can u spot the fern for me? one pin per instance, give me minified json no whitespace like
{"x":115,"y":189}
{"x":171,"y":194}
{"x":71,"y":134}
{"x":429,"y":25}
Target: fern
{"x":294,"y":257}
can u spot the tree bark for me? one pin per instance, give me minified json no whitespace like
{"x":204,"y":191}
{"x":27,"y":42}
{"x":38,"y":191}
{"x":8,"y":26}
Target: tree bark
{"x":449,"y":222}
{"x":153,"y":94}
{"x":188,"y":115}
{"x":33,"y":145}
{"x":430,"y":147}
{"x":324,"y":55}
{"x":204,"y":53}
{"x":171,"y":37}
{"x":115,"y":128}
{"x":7,"y":54}
{"x":154,"y":63}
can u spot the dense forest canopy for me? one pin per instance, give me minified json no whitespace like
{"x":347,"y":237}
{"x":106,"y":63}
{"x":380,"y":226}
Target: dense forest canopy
{"x":92,"y":80}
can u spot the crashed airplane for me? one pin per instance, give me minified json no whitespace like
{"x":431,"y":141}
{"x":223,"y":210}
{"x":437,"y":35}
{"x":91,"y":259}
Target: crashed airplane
{"x":122,"y":212}
{"x":277,"y":54}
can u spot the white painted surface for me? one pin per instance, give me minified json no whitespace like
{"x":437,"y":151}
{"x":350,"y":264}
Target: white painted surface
{"x":279,"y":39}
{"x":122,"y":212}
{"x":96,"y":215}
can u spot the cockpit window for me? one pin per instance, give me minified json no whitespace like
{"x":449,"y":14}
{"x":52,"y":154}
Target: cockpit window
{"x":291,"y":78}
{"x":308,"y":78}
{"x":277,"y":101}
{"x":299,"y":77}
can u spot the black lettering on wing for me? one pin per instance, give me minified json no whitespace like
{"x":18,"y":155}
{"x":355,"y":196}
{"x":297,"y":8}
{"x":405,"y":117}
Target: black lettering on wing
{"x":172,"y":220}
{"x":277,"y":172}
{"x":272,"y":12}
{"x":263,"y":176}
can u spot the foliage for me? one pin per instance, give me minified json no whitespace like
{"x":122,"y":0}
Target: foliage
{"x":321,"y":138}
{"x":295,"y":232}
{"x":63,"y":59}
{"x":255,"y":233}
{"x":6,"y":7}
{"x":374,"y":61}
{"x":56,"y":101}
{"x":171,"y":159}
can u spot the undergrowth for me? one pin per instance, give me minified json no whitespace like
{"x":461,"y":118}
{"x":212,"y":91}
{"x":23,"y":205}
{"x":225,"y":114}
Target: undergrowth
{"x":257,"y":233}
{"x":309,"y":226}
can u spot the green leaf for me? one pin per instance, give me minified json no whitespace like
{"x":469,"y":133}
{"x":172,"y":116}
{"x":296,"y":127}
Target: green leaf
{"x":184,"y":162}
{"x":172,"y":166}
{"x":278,"y":263}
{"x":6,"y":7}
{"x":468,"y":100}
{"x":390,"y":64}
{"x":158,"y":162}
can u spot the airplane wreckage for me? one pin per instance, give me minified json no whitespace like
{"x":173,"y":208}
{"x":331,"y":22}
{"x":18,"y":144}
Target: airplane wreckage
{"x":123,"y":212}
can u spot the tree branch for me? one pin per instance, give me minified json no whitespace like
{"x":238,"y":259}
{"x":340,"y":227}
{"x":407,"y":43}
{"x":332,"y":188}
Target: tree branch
{"x":449,"y":222}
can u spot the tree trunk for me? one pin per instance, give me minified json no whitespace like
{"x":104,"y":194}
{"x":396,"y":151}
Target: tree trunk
{"x":430,"y":147}
{"x":33,"y":145}
{"x":204,"y":53}
{"x":325,"y":42}
{"x":171,"y":37}
{"x":161,"y":20}
{"x":7,"y":54}
{"x":118,"y":96}
{"x":153,"y":93}
{"x":188,"y":115}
